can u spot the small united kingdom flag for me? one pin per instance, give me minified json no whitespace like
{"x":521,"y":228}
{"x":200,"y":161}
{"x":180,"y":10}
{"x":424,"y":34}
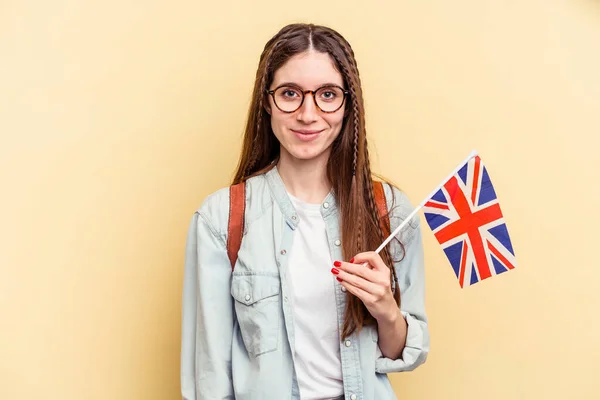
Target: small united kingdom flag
{"x":465,"y":217}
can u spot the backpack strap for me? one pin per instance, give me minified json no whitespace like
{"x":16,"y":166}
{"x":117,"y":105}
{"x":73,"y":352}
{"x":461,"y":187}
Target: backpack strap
{"x":237,"y":208}
{"x":384,"y":221}
{"x":384,"y":218}
{"x":235,"y":230}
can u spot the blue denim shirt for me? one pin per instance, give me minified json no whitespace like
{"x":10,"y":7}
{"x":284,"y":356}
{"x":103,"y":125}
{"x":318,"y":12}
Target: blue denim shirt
{"x":238,"y":329}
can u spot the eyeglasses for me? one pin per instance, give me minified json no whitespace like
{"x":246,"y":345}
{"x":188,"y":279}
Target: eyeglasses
{"x":289,"y":98}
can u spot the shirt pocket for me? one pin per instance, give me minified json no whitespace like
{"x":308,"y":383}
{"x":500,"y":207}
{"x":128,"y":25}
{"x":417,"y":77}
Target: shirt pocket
{"x":257,"y":306}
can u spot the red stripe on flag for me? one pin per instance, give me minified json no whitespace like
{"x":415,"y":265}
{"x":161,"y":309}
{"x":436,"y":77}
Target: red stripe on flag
{"x":452,"y":187}
{"x":437,"y":205}
{"x":481,"y":260}
{"x":463,"y":263}
{"x":469,"y":223}
{"x":499,"y":256}
{"x":475,"y":180}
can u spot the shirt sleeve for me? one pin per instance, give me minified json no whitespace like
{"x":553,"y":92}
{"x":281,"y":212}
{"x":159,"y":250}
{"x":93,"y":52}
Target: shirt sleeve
{"x":411,"y":281}
{"x":207,"y":315}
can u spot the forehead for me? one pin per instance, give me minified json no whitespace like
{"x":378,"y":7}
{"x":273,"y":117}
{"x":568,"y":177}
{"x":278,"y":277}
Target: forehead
{"x":309,"y":70}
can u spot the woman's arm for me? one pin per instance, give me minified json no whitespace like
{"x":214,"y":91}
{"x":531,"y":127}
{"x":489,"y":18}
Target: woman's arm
{"x":411,"y":282}
{"x":403,"y":331}
{"x":403,"y":334}
{"x":392,"y":331}
{"x":207,"y":318}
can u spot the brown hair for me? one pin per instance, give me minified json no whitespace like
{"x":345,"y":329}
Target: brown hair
{"x":348,"y":168}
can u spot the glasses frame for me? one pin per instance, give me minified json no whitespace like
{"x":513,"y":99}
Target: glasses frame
{"x":304,"y":93}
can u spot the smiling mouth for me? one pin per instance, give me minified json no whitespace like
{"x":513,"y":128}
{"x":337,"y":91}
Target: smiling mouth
{"x":307,"y":132}
{"x":306,"y":135}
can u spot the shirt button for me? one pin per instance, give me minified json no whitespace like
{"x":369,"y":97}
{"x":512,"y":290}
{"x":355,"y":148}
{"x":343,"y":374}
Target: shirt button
{"x":353,"y":397}
{"x":294,"y":217}
{"x":348,"y":343}
{"x":343,"y":289}
{"x":283,"y":252}
{"x":248,"y":297}
{"x":325,"y":205}
{"x":337,"y":242}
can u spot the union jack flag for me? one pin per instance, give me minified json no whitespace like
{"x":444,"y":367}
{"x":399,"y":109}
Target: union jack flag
{"x":466,"y":219}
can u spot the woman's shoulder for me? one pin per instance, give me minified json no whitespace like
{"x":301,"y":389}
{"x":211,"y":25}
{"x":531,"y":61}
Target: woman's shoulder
{"x":214,"y":208}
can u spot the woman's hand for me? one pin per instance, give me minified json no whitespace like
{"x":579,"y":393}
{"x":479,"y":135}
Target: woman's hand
{"x":367,"y":277}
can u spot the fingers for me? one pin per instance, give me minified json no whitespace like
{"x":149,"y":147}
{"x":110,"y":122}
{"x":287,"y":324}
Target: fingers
{"x":358,"y":270}
{"x":372,"y":258}
{"x":375,"y":283}
{"x":358,"y":281}
{"x":364,"y":296}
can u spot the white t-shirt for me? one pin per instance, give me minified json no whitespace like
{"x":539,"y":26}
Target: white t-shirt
{"x":318,"y":365}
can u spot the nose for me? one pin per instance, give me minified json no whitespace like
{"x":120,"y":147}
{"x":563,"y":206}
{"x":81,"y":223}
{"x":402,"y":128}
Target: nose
{"x":308,"y":112}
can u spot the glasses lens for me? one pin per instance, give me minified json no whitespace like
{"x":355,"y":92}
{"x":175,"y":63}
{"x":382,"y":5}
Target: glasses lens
{"x":288,"y":98}
{"x":329,"y":98}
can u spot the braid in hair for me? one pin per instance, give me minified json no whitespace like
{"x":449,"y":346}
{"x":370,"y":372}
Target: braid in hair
{"x":349,"y":53}
{"x":387,"y":258}
{"x":367,"y":180}
{"x":268,"y":53}
{"x":355,"y":111}
{"x":352,"y":86}
{"x":356,"y":130}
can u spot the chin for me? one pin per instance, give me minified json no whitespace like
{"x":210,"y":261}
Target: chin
{"x":303,"y":155}
{"x":305,"y":151}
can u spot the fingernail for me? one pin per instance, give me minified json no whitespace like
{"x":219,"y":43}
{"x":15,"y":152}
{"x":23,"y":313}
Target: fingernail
{"x":337,"y":264}
{"x":335,"y":271}
{"x":351,"y":260}
{"x":338,"y":278}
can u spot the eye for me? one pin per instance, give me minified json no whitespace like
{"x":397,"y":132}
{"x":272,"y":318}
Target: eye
{"x":289,"y":93}
{"x":329,"y":94}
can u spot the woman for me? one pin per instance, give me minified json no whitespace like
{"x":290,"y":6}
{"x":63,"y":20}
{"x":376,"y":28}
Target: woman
{"x":292,"y":321}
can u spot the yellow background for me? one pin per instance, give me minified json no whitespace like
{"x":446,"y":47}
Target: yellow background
{"x":117,"y":118}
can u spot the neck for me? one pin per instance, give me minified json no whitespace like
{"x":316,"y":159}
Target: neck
{"x":305,"y":179}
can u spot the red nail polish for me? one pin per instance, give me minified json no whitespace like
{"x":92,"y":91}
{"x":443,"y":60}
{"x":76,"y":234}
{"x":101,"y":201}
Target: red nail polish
{"x":334,"y":271}
{"x":351,"y":260}
{"x":337,"y":264}
{"x":338,"y":278}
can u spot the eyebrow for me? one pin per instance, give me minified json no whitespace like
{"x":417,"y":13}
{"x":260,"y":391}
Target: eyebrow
{"x":319,"y":86}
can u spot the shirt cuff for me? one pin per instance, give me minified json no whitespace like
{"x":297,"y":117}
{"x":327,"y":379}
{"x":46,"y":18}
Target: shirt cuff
{"x":415,"y":350}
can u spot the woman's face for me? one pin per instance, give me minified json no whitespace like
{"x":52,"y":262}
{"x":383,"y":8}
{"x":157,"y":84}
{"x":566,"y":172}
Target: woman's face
{"x":308,"y":132}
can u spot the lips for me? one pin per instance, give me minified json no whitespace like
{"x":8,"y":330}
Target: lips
{"x":306,"y":135}
{"x":307,"y":132}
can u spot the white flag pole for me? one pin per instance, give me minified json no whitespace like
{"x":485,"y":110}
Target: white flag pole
{"x":412,"y":214}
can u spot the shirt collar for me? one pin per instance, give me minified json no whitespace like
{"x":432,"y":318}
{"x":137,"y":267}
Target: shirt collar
{"x":328,"y":205}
